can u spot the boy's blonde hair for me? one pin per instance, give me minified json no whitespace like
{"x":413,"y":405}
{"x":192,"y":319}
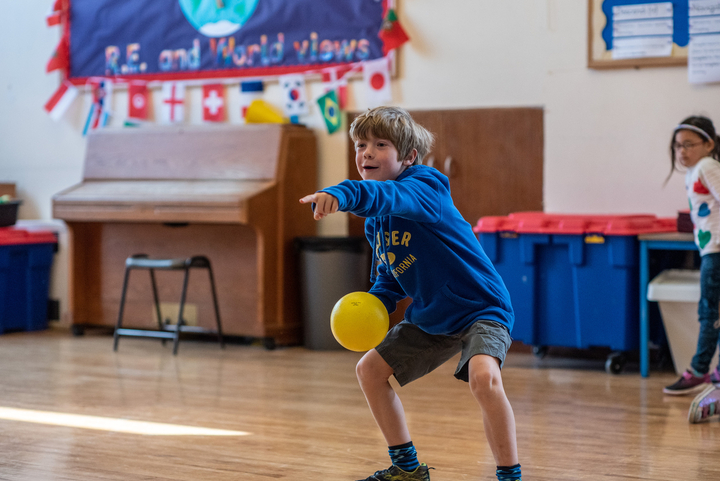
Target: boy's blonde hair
{"x":397,"y":126}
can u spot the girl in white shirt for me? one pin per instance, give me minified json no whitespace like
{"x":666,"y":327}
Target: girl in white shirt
{"x":696,"y":146}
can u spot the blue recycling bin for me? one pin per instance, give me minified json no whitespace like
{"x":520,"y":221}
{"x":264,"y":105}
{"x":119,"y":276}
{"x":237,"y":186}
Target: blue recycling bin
{"x":25,"y":262}
{"x":573,"y":279}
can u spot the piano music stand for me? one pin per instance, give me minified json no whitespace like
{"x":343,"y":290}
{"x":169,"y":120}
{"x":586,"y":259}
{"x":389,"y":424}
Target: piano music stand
{"x":164,"y":332}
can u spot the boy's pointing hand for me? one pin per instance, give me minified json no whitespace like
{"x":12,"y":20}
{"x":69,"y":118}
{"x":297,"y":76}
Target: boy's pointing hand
{"x":325,"y":204}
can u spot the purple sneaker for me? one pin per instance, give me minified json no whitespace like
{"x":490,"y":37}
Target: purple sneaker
{"x":687,"y":384}
{"x":715,"y":376}
{"x":705,"y":405}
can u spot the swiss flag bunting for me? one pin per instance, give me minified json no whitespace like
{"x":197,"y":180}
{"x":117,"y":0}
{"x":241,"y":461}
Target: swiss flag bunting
{"x":213,"y":102}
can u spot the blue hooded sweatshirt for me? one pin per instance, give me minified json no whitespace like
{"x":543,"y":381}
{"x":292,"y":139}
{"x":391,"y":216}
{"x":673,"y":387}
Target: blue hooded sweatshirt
{"x":426,"y":251}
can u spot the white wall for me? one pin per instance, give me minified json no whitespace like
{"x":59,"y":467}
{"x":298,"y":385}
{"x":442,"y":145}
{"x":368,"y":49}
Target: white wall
{"x":606,"y":132}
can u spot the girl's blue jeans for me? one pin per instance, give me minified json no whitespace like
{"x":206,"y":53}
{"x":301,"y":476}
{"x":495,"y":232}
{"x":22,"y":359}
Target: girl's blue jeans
{"x":708,"y":312}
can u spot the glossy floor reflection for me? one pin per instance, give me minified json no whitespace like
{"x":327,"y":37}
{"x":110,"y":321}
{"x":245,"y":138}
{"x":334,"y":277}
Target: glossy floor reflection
{"x":305,"y":417}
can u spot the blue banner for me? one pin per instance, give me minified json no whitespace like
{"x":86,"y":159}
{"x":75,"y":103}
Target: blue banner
{"x":194,"y":39}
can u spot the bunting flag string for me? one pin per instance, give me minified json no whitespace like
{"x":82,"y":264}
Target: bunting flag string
{"x":294,"y":101}
{"x":61,"y":100}
{"x":330,"y":111}
{"x":100,"y":109}
{"x":138,"y":101}
{"x":213,"y":102}
{"x":173,"y":109}
{"x":392,"y":34}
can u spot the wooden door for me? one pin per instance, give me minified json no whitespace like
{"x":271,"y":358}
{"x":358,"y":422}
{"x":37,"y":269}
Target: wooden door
{"x":492,"y":157}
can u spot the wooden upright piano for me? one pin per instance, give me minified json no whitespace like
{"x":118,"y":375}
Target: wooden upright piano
{"x":227,"y":192}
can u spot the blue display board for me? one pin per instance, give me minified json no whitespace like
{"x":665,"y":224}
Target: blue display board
{"x":681,"y":35}
{"x":658,"y":35}
{"x":195,"y":39}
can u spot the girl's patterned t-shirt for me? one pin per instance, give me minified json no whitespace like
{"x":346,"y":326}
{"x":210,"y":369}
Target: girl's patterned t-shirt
{"x":702,"y":183}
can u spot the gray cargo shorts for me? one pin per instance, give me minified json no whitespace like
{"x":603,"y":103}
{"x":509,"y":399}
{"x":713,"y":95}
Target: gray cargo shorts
{"x":412,"y":352}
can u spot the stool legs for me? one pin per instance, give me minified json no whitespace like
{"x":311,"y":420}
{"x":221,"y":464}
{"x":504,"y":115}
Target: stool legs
{"x":122,"y":306}
{"x":217,"y":309}
{"x":141,"y":261}
{"x":178,"y":328}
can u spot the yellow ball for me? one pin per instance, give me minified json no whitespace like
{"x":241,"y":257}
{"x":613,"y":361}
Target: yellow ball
{"x":359,"y":321}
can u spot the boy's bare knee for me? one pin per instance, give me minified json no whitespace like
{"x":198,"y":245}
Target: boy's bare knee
{"x":484,"y":378}
{"x":372,"y":368}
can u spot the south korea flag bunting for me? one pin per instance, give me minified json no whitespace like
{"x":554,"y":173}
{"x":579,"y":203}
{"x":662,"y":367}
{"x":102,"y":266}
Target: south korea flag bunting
{"x":294,"y":99}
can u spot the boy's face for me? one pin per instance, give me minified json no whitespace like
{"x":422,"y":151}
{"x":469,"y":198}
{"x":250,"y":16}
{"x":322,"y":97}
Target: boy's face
{"x":377,"y":159}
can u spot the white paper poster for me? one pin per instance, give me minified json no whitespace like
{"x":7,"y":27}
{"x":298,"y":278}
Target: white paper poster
{"x":642,"y":30}
{"x":704,"y":52}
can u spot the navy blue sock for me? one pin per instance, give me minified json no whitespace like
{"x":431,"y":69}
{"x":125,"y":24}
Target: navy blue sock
{"x":404,"y":456}
{"x":508,"y":473}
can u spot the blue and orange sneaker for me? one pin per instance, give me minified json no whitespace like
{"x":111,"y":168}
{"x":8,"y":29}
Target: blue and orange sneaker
{"x":393,"y":473}
{"x":688,"y":383}
{"x":705,"y":405}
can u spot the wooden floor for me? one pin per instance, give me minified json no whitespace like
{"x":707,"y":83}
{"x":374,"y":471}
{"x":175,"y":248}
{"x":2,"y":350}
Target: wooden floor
{"x":304,"y":417}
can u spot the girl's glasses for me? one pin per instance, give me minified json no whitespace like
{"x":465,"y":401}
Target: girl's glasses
{"x":686,"y":145}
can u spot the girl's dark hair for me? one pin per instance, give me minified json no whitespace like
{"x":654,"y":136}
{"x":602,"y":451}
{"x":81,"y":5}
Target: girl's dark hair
{"x":702,"y":123}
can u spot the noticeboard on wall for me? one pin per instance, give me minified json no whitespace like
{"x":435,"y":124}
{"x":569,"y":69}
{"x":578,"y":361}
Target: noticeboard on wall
{"x":638,"y":33}
{"x":199,"y":39}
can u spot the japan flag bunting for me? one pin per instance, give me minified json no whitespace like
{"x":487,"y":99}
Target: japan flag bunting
{"x":294,"y":100}
{"x":138,"y":101}
{"x":213,"y":103}
{"x":61,"y":100}
{"x":173,"y":107}
{"x":376,"y":74}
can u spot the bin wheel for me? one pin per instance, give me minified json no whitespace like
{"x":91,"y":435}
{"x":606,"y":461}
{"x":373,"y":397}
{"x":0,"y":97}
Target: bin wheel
{"x":77,"y":330}
{"x":540,"y":351}
{"x":269,"y":343}
{"x":615,"y":363}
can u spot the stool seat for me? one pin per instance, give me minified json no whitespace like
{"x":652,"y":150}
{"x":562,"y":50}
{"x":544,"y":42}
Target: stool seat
{"x":137,"y":262}
{"x":164,"y":332}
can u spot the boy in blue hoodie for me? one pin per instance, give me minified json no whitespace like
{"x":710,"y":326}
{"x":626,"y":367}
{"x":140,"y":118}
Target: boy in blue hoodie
{"x":425,"y":250}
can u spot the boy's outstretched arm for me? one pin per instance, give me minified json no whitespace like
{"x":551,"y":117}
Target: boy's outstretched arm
{"x":325,"y":204}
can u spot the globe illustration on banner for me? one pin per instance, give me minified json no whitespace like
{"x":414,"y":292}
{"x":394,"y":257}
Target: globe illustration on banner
{"x":218,"y":18}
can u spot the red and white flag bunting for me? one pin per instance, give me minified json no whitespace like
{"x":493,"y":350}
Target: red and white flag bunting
{"x":213,"y":103}
{"x":57,"y":12}
{"x":173,"y":108}
{"x":376,"y":74}
{"x":138,"y":101}
{"x":61,"y":100}
{"x":336,"y":79}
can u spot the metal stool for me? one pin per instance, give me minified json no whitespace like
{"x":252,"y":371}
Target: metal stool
{"x":141,"y":261}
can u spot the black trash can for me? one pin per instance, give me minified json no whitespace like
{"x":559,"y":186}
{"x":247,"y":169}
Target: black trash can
{"x":330,"y":267}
